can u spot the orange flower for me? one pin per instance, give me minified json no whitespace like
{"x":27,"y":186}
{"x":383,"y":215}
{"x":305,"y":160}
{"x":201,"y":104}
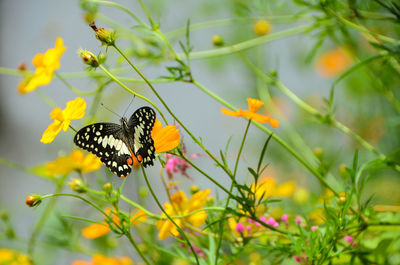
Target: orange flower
{"x":75,"y":161}
{"x":268,"y":188}
{"x":165,"y":139}
{"x":97,"y":230}
{"x":74,"y":110}
{"x":254,"y":105}
{"x":180,"y":205}
{"x":45,"y":65}
{"x":99,"y":259}
{"x":333,"y":62}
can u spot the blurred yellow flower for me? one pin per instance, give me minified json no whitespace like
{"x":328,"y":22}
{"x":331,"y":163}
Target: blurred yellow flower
{"x":261,"y":27}
{"x":254,"y":105}
{"x":99,"y":259}
{"x":179,"y":206}
{"x":97,"y":230}
{"x":333,"y":62}
{"x":165,"y":139}
{"x":267,"y":187}
{"x":74,"y":110}
{"x":76,"y":161}
{"x":45,"y":65}
{"x":11,"y":257}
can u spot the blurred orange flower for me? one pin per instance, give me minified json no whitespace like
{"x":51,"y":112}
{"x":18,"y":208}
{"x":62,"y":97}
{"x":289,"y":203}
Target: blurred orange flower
{"x":267,"y":187}
{"x":75,"y":161}
{"x":74,"y":110}
{"x":180,"y":205}
{"x":254,"y":105}
{"x":45,"y":65}
{"x":99,"y":259}
{"x":165,"y":139}
{"x":97,"y":230}
{"x":11,"y":257}
{"x":333,"y":62}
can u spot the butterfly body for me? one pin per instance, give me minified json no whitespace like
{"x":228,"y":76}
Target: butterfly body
{"x":115,"y":144}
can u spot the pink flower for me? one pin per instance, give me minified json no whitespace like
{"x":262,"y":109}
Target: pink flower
{"x":248,"y":227}
{"x":271,"y":221}
{"x":175,"y":165}
{"x":284,"y":218}
{"x":314,"y":227}
{"x":239,"y":228}
{"x":297,"y":259}
{"x":298,"y":220}
{"x":350,"y":239}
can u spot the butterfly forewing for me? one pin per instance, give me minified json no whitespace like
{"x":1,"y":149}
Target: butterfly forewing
{"x":105,"y":141}
{"x":141,"y":123}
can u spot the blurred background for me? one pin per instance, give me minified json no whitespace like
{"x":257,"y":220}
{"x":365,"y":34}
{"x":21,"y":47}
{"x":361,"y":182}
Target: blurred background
{"x":30,"y":27}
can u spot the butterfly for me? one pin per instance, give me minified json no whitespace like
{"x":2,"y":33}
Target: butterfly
{"x":115,"y":144}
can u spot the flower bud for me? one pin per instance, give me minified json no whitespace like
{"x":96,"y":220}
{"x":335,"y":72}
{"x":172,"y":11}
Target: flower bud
{"x":107,"y":37}
{"x":143,"y":192}
{"x":217,"y":40}
{"x":77,"y":185}
{"x":262,"y":27}
{"x":107,"y":187}
{"x":89,"y":58}
{"x":194,"y":189}
{"x":318,"y":152}
{"x":33,"y":200}
{"x":342,"y":197}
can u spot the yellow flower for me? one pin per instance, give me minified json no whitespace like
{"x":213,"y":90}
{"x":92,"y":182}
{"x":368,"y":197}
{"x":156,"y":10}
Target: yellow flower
{"x":254,"y":105}
{"x":180,"y":205}
{"x":333,"y":62}
{"x":97,"y":230}
{"x":76,"y":161}
{"x":261,"y":27}
{"x":165,"y":139}
{"x":74,"y":110}
{"x":45,"y":65}
{"x":11,"y":257}
{"x":267,"y":187}
{"x":99,"y":259}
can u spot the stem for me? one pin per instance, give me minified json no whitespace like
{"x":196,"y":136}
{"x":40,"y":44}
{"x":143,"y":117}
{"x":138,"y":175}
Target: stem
{"x":129,"y":236}
{"x":131,"y":91}
{"x":39,"y":225}
{"x":147,"y":14}
{"x":221,"y":224}
{"x":170,"y":219}
{"x":77,"y":91}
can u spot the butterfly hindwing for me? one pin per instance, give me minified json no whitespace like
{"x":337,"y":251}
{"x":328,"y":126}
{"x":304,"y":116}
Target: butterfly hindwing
{"x":141,"y":123}
{"x":105,"y":141}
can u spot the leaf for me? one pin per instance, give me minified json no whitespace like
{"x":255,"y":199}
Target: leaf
{"x":255,"y":175}
{"x":262,"y":153}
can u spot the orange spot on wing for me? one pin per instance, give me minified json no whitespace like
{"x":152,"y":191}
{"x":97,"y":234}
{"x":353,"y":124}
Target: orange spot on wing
{"x":139,"y":158}
{"x":129,"y":160}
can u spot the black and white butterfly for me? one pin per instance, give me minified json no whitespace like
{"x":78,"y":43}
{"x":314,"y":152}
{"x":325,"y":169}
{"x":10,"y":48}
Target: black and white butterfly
{"x":115,"y":144}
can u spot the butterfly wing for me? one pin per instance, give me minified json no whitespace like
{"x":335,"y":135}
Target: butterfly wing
{"x":105,"y":141}
{"x":141,"y":123}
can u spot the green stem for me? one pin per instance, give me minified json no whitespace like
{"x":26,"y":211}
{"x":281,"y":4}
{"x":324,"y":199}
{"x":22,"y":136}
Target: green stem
{"x":170,"y":219}
{"x":221,"y":223}
{"x":130,"y":238}
{"x":248,"y":43}
{"x":147,"y":14}
{"x":131,"y":91}
{"x":109,"y":3}
{"x":77,"y":91}
{"x":42,"y":221}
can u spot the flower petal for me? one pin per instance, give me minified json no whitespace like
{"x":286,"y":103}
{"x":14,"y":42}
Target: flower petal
{"x":95,"y":230}
{"x":75,"y":109}
{"x":232,"y":113}
{"x":254,"y":104}
{"x":165,"y":138}
{"x":51,"y":132}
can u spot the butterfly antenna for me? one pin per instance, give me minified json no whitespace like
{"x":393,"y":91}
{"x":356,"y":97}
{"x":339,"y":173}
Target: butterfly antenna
{"x":130,"y":103}
{"x":110,"y":110}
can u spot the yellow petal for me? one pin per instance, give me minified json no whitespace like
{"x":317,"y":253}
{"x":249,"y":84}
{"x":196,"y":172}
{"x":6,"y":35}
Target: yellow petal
{"x":51,"y":132}
{"x":165,"y":138}
{"x":75,"y":109}
{"x":254,"y":104}
{"x":95,"y":230}
{"x":232,"y":113}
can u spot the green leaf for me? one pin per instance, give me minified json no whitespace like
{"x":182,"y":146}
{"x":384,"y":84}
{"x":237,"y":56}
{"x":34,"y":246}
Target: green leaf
{"x":263,"y":153}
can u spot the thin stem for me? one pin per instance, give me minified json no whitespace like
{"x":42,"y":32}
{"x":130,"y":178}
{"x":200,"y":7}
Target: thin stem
{"x":113,"y":4}
{"x":248,"y":43}
{"x":170,"y":219}
{"x":147,"y":14}
{"x":42,"y":221}
{"x":130,"y":238}
{"x":77,"y":91}
{"x":131,"y":91}
{"x":221,"y":223}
